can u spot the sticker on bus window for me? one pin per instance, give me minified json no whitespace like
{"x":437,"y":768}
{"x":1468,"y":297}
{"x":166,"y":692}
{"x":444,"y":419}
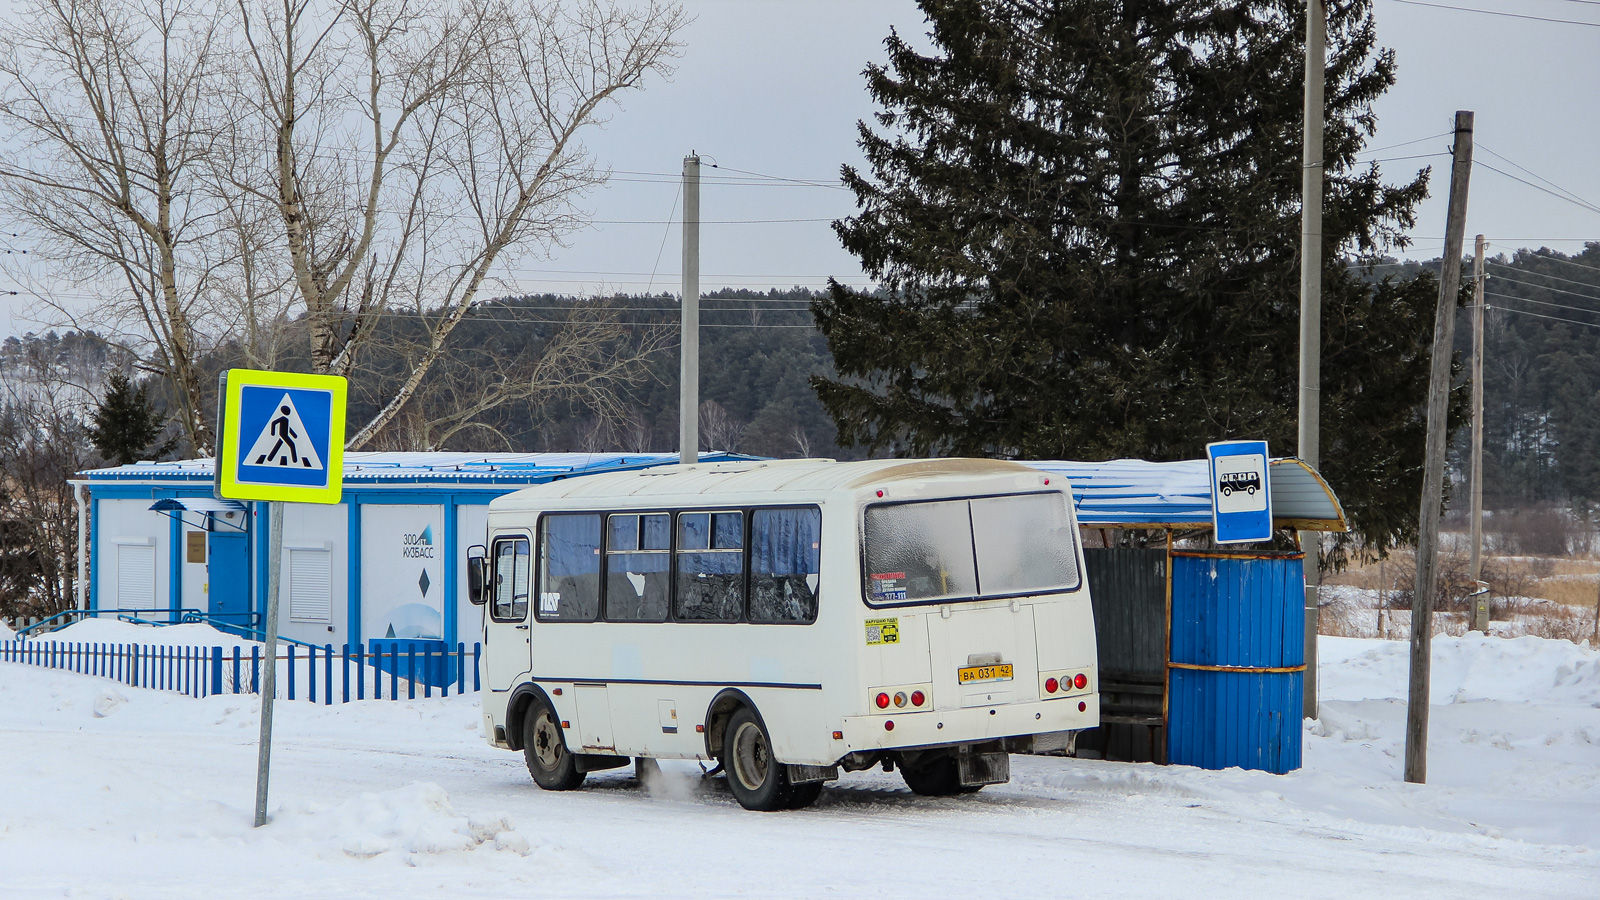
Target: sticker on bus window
{"x":888,"y":587}
{"x":550,"y":603}
{"x":883,"y":631}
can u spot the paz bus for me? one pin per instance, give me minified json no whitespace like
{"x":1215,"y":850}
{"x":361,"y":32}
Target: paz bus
{"x":788,"y":619}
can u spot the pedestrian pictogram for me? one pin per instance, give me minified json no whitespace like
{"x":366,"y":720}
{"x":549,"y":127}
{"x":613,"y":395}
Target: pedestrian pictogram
{"x":284,"y":442}
{"x":282,"y":437}
{"x":1241,"y":503}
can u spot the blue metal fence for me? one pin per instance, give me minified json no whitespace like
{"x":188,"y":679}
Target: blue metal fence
{"x":319,"y":674}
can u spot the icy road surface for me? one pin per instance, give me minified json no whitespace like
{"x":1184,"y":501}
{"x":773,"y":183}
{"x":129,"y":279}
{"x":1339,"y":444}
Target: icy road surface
{"x":108,"y":791}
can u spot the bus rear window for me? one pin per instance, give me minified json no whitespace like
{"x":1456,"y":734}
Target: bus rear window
{"x":967,"y":549}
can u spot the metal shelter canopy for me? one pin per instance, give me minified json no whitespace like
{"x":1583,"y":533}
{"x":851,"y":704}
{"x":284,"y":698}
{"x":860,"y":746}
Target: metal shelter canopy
{"x":177,"y":506}
{"x":1135,"y":493}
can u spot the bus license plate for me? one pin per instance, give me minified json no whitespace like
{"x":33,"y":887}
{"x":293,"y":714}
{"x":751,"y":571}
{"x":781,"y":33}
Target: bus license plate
{"x":975,"y":674}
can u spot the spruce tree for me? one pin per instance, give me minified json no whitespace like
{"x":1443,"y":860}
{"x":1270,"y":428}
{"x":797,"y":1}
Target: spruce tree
{"x":1084,"y":218}
{"x":126,"y":425}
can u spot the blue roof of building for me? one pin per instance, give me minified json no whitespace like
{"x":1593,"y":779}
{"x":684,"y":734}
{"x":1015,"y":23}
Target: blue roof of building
{"x":431,"y":468}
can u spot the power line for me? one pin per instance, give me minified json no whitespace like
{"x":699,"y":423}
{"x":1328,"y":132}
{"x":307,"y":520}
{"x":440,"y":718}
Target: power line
{"x":1582,"y":309}
{"x":1523,"y":312}
{"x":1431,"y":137}
{"x":1496,"y":12}
{"x":1587,"y":284}
{"x":1514,"y":164}
{"x":1581,"y":204}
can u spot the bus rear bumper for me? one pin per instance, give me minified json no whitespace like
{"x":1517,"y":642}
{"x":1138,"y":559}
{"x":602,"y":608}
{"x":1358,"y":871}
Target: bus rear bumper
{"x":944,"y":727}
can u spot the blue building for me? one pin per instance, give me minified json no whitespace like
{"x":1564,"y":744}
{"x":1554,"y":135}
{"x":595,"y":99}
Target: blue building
{"x":382,"y":564}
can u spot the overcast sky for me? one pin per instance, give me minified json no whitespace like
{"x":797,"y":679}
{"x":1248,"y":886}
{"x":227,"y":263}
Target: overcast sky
{"x":774,"y":87}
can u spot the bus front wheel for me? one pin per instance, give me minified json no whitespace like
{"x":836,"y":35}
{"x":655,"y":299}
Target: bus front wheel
{"x":758,"y":781}
{"x":545,"y":748}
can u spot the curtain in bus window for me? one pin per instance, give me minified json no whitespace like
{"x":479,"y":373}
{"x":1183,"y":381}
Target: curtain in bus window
{"x":569,"y":581}
{"x":637,"y":568}
{"x":784,"y":564}
{"x":511,"y":579}
{"x":1025,"y":544}
{"x":920,"y":551}
{"x":710,"y":567}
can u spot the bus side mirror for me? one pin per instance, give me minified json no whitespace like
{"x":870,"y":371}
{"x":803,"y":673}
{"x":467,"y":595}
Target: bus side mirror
{"x":477,"y":570}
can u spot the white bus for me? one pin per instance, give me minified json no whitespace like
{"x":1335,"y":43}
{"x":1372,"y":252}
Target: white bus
{"x":788,"y":619}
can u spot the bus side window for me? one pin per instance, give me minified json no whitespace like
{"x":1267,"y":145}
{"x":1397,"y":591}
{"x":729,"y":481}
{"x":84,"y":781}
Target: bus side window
{"x":784,"y":565}
{"x":569,"y":568}
{"x":510,"y":579}
{"x":638,"y":567}
{"x":710,"y":567}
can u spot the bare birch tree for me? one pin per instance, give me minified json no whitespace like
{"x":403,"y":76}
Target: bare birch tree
{"x":411,"y":148}
{"x":107,"y":106}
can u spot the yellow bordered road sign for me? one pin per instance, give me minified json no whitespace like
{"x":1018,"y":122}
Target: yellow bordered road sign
{"x":282,"y":437}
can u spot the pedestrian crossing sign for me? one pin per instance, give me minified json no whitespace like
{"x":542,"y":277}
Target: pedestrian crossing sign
{"x":282,"y":437}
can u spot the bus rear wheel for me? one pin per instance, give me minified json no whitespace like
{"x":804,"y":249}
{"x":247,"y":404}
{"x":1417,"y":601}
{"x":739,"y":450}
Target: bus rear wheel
{"x":756,"y":780}
{"x":545,"y":749}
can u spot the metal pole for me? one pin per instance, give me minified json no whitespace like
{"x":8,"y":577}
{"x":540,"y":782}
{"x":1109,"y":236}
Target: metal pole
{"x":689,"y":359}
{"x":269,"y":679}
{"x":1444,"y":326}
{"x":1309,"y":438}
{"x":1480,"y":595}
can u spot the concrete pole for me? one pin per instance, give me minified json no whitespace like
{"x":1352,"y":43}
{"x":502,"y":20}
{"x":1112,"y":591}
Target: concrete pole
{"x":689,"y":358}
{"x":1480,"y":597}
{"x":1444,"y":327}
{"x":269,"y":676}
{"x":1310,"y":438}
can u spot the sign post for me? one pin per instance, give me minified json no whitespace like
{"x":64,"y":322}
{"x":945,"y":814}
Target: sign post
{"x":1241,"y":504}
{"x":280,"y":441}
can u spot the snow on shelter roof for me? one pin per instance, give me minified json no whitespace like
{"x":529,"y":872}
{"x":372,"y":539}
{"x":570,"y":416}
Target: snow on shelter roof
{"x":1128,"y":493}
{"x":1119,"y":493}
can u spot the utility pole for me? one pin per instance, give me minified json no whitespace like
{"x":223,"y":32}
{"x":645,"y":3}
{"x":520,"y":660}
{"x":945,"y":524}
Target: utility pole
{"x":1444,"y":323}
{"x":1480,"y":591}
{"x":689,"y":358}
{"x":1310,"y":431}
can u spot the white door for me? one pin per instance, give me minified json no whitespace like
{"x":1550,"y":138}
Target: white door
{"x":506,"y":636}
{"x":136,"y":576}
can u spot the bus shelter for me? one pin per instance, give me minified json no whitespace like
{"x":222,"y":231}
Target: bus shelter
{"x":1201,"y":648}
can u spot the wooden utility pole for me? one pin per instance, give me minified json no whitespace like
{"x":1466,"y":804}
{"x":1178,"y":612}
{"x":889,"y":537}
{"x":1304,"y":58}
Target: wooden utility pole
{"x":1444,"y":323}
{"x":1309,"y":438}
{"x":689,"y":349}
{"x":1480,"y":591}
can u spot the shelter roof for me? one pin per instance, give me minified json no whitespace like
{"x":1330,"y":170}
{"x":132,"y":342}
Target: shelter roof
{"x":1132,"y":493}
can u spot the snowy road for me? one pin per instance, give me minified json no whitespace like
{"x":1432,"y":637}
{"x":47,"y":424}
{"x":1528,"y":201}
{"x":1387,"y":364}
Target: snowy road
{"x":109,"y":791}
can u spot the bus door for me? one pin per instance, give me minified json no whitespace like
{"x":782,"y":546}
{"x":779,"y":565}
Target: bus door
{"x":506,"y":635}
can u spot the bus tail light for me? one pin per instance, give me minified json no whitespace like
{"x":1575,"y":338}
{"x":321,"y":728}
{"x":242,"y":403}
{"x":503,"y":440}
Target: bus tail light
{"x":882,"y":700}
{"x":889,"y":725}
{"x":900,"y":699}
{"x":1050,"y":685}
{"x":918,"y":698}
{"x":1080,"y":681}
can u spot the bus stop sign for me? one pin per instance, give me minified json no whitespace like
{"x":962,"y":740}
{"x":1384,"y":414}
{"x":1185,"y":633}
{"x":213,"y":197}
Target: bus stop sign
{"x":282,"y":437}
{"x":1241,"y":505}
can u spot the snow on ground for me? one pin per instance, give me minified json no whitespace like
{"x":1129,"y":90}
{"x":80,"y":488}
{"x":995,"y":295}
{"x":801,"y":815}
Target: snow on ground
{"x":116,"y":792}
{"x":115,"y":631}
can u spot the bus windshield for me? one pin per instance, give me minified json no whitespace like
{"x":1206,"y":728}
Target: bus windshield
{"x":944,"y":550}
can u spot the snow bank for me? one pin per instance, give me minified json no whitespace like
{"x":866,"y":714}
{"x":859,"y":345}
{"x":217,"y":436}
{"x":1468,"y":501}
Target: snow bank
{"x":1466,"y":669}
{"x":417,"y":818}
{"x":115,"y":631}
{"x":6,"y":634}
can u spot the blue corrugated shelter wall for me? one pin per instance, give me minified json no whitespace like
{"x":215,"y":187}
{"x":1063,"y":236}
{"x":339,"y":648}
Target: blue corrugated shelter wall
{"x":1237,"y":668}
